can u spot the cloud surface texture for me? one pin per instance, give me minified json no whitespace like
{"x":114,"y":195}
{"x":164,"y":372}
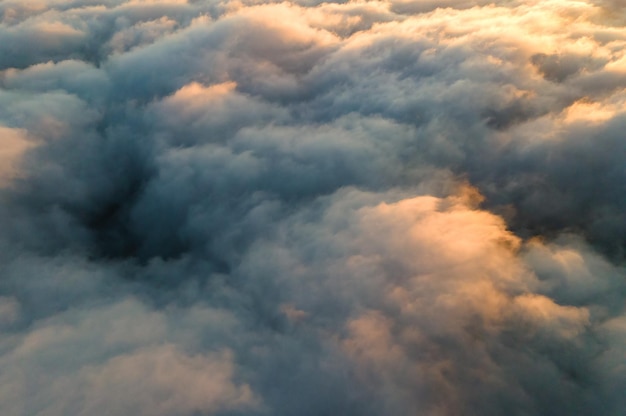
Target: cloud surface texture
{"x":358,"y":208}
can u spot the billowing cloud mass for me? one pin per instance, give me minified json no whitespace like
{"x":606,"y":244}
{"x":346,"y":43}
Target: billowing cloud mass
{"x":303,"y":208}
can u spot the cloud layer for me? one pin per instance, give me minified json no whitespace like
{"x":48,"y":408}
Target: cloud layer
{"x":361,"y":208}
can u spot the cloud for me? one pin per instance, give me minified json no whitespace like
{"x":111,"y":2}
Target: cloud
{"x":433,"y":300}
{"x":361,"y":208}
{"x":14,"y":145}
{"x":72,"y":363}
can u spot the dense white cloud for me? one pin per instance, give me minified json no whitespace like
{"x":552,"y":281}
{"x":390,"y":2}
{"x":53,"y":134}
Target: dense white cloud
{"x":360,"y":208}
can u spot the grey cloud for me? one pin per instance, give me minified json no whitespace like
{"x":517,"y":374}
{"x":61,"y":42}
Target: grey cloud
{"x":72,"y":363}
{"x":429,"y":341}
{"x":31,"y":42}
{"x":75,"y":77}
{"x":338,"y":208}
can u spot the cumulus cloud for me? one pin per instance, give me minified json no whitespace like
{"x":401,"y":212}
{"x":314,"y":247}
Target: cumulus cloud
{"x":360,"y":208}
